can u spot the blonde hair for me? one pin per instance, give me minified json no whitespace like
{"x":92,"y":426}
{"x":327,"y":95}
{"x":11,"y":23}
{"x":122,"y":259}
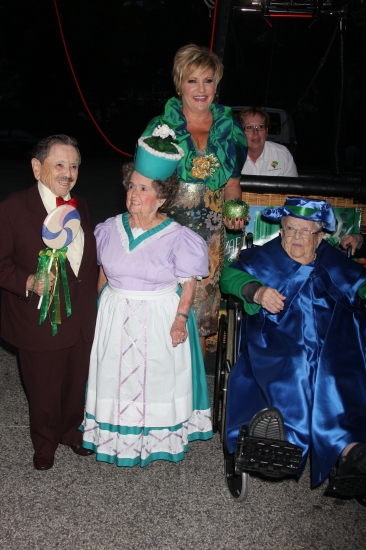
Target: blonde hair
{"x":192,"y":57}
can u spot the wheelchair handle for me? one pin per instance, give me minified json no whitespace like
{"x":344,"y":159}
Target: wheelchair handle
{"x":249,"y":240}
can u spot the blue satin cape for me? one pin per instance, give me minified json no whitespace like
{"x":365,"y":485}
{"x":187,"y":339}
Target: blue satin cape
{"x":309,"y":360}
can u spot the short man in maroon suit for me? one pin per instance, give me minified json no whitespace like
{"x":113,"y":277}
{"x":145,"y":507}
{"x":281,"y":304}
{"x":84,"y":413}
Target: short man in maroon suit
{"x":54,"y":368}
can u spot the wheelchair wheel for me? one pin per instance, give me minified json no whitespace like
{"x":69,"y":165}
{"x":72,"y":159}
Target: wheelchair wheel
{"x":360,"y":501}
{"x":219,"y":373}
{"x":238,"y":484}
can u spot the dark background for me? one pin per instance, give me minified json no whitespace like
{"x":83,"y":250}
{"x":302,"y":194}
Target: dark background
{"x":122,"y":53}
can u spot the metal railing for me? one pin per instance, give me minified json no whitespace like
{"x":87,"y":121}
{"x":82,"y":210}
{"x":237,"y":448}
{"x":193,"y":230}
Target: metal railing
{"x":319,"y":184}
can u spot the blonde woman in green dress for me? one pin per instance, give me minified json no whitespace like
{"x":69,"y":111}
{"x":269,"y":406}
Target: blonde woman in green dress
{"x":215,"y":151}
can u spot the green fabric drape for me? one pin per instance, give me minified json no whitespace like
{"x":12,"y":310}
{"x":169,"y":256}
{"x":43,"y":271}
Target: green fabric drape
{"x":226,"y":146}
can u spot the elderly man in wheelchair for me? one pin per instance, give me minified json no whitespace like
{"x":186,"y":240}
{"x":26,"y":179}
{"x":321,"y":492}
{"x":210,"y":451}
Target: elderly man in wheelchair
{"x":299,"y":383}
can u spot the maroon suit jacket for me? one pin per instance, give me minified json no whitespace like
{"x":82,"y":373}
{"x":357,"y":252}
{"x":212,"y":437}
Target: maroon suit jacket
{"x":21,"y":218}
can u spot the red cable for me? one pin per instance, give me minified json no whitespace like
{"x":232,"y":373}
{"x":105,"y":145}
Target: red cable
{"x":213,"y":25}
{"x":79,"y":89}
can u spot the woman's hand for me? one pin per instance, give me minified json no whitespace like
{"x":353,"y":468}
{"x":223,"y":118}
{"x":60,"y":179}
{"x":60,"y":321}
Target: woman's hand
{"x":270,"y":299}
{"x":233,"y":224}
{"x":178,"y":332}
{"x":232,"y":191}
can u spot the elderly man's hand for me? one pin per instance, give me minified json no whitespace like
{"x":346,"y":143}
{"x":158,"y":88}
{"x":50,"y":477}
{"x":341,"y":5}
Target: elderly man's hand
{"x":353,"y":241}
{"x":39,"y":286}
{"x":270,"y":299}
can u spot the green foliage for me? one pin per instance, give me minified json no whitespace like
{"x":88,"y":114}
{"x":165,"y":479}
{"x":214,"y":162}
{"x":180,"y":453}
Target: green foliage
{"x":163,"y":145}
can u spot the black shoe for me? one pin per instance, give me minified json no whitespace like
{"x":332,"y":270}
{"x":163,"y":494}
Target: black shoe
{"x":79,"y":450}
{"x":43,"y":462}
{"x":348,"y":479}
{"x":263,"y":448}
{"x":268,"y":423}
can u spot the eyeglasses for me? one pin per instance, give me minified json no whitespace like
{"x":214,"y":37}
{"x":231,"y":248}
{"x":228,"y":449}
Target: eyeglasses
{"x":304,"y":233}
{"x":251,"y":128}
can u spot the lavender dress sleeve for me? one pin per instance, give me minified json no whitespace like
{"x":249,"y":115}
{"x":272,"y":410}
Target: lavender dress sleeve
{"x":102,"y":234}
{"x":190,"y":255}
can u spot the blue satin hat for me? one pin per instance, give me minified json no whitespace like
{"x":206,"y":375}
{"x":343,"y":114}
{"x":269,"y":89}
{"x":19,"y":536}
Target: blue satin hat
{"x":315,"y":210}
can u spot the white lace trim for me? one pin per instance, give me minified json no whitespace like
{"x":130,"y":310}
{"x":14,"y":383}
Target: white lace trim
{"x":170,"y":156}
{"x":124,"y":237}
{"x":182,"y":280}
{"x":136,"y":232}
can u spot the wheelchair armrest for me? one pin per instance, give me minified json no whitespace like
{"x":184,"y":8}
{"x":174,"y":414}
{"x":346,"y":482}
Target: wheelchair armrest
{"x":233,"y":302}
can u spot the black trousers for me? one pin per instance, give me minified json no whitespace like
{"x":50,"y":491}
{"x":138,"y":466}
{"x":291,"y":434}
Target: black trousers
{"x":55,"y":382}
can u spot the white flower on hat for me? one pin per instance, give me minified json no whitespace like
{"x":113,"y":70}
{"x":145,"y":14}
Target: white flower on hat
{"x":163,"y":131}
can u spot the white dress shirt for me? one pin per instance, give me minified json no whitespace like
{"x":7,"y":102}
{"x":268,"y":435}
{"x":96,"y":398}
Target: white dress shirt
{"x":275,"y":160}
{"x":76,"y":247}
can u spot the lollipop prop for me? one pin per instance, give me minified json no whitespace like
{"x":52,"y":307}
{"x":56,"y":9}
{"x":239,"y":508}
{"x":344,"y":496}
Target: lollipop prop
{"x":59,"y":229}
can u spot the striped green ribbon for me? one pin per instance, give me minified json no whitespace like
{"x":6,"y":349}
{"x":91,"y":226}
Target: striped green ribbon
{"x":53,"y":260}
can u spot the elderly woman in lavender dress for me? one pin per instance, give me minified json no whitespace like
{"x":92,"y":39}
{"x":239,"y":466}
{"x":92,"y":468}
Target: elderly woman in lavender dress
{"x":147,"y":394}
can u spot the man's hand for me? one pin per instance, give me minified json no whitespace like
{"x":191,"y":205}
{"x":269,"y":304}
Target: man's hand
{"x":39,"y":286}
{"x":270,"y":299}
{"x":354,"y":241}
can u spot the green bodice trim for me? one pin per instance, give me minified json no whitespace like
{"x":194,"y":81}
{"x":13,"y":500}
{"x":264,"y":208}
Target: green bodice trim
{"x":135,"y":242}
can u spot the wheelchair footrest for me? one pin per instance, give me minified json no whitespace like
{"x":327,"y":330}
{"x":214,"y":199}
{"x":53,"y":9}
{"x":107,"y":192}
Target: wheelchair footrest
{"x":270,"y":457}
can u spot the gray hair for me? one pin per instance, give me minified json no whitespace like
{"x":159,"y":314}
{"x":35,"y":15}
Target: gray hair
{"x":43,"y":147}
{"x":165,"y":189}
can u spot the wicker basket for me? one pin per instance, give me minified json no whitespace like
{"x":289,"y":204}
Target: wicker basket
{"x":272,"y":199}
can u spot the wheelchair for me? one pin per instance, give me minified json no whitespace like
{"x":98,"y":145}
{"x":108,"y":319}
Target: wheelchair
{"x":273,"y":458}
{"x":226,"y":355}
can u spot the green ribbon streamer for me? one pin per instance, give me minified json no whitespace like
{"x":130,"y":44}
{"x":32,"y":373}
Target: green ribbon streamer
{"x":301,"y":210}
{"x":62,"y":260}
{"x":53,"y":260}
{"x":55,"y":313}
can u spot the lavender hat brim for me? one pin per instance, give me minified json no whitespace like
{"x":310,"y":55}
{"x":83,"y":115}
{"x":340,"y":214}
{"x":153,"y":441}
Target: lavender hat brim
{"x":315,"y":210}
